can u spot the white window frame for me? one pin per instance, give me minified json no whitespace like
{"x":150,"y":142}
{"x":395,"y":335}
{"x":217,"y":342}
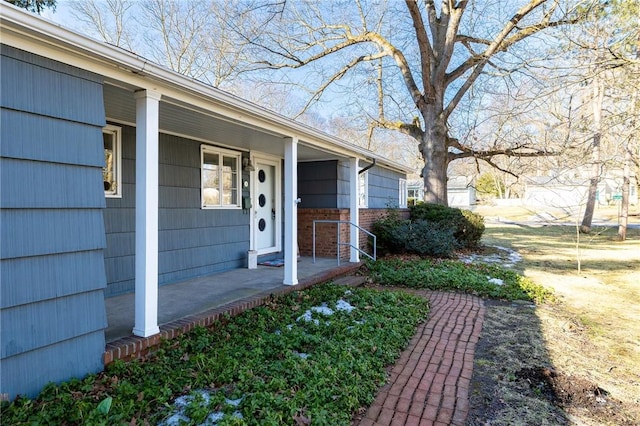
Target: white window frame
{"x":116,"y":133}
{"x":402,"y":193}
{"x":363,"y":190}
{"x":221,"y":152}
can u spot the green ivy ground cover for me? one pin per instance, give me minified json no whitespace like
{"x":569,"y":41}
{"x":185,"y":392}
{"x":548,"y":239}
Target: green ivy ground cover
{"x":267,"y":366}
{"x":482,"y":279}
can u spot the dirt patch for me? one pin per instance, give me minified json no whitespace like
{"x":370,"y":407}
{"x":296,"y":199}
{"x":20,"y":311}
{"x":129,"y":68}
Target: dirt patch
{"x":515,"y":382}
{"x":510,"y":342}
{"x":573,"y":393}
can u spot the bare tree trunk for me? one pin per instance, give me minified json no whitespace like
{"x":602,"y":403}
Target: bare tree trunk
{"x":585,"y":226}
{"x":624,"y":212}
{"x":598,"y":95}
{"x":434,"y":152}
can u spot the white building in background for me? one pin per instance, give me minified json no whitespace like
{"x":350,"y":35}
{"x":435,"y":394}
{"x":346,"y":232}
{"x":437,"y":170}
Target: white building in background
{"x":568,"y":192}
{"x":461,"y":191}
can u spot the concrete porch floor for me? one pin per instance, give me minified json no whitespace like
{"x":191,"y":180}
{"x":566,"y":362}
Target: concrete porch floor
{"x":194,"y":296}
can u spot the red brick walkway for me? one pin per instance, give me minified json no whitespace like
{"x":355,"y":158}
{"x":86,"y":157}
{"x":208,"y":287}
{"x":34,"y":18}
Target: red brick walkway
{"x":429,"y":384}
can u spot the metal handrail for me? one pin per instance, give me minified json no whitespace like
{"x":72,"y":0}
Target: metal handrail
{"x":340,"y":243}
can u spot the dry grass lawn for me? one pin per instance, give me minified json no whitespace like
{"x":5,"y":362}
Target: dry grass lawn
{"x":593,"y":332}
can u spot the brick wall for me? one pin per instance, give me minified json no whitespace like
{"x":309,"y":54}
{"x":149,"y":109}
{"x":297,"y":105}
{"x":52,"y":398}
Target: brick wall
{"x":367,"y":218}
{"x":326,"y":233}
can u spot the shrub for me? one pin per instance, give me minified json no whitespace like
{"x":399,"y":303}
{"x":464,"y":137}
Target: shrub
{"x":429,"y":239}
{"x":467,"y":226}
{"x":423,"y":237}
{"x":390,"y":233}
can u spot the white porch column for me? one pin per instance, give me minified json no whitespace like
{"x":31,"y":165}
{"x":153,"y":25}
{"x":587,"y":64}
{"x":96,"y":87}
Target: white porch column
{"x":146,"y":288}
{"x":354,"y":213}
{"x":290,"y":211}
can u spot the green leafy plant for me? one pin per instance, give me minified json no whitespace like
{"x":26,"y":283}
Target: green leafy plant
{"x":482,"y":279}
{"x":280,"y":367}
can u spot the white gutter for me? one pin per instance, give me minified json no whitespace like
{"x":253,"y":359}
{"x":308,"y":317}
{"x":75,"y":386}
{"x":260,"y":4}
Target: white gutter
{"x":43,"y":30}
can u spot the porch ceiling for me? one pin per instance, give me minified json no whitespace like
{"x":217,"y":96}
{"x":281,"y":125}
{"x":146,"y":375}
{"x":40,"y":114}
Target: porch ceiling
{"x":193,"y":122}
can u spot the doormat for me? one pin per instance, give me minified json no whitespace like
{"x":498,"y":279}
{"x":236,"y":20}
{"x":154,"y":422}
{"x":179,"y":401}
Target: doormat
{"x":274,"y":262}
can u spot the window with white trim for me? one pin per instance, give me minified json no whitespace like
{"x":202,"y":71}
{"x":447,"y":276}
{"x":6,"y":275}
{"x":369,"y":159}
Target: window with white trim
{"x":363,"y":189}
{"x":220,"y":177}
{"x":112,"y":170}
{"x":402,"y":191}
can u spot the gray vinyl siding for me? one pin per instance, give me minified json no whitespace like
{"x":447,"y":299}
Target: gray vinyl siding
{"x":384,"y":188}
{"x":317,"y":186}
{"x":191,"y":241}
{"x":52,"y":230}
{"x":325,"y":184}
{"x":56,"y":362}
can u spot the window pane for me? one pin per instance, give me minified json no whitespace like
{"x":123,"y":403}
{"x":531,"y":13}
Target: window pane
{"x":402,"y":189}
{"x":210,"y":179}
{"x":362,"y":190}
{"x":108,"y":172}
{"x":229,"y":180}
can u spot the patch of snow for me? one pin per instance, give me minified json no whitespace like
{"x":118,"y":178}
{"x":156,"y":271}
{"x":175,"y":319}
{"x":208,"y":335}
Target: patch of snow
{"x":176,"y":420}
{"x":181,"y":403}
{"x":341,"y":305}
{"x":323,"y":309}
{"x":513,"y":256}
{"x":185,"y":400}
{"x":496,"y":281}
{"x":214,"y":418}
{"x":506,"y":257}
{"x":307,"y":317}
{"x":234,"y":402}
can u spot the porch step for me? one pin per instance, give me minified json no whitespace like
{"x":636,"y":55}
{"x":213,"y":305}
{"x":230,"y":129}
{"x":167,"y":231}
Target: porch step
{"x":351,"y":280}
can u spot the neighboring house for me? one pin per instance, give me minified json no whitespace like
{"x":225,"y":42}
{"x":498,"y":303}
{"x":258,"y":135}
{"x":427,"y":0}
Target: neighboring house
{"x":118,"y":175}
{"x":570,"y":192}
{"x":461,"y":192}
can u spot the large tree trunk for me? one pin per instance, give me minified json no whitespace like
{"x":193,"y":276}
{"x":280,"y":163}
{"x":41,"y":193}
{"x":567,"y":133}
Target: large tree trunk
{"x":433,"y":148}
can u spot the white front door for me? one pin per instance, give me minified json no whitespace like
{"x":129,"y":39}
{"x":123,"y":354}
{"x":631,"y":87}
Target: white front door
{"x":266,"y":205}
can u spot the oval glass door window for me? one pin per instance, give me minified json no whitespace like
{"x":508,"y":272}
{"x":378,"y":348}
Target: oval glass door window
{"x":262,"y":176}
{"x":262,"y":224}
{"x":262,"y":200}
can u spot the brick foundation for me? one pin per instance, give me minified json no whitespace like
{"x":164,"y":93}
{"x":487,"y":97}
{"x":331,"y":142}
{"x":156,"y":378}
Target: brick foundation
{"x":327,"y":233}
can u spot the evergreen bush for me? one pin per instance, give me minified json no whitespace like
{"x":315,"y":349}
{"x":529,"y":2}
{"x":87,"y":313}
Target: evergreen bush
{"x":467,"y":226}
{"x":433,"y":230}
